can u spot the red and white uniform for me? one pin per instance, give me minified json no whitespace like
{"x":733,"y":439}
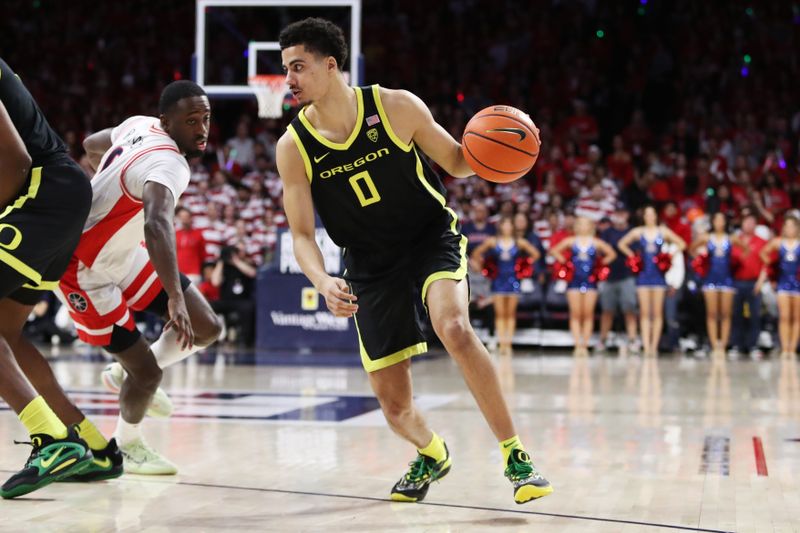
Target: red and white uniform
{"x":110,"y":273}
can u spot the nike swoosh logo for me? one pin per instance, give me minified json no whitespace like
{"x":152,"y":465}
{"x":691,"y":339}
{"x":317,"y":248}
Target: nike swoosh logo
{"x":103,"y":463}
{"x":518,"y":131}
{"x":510,"y":444}
{"x":50,"y":460}
{"x":318,"y":159}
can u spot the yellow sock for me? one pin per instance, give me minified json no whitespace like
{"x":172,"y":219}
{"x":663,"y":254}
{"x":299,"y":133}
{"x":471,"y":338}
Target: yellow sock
{"x":37,"y":417}
{"x":92,"y":435}
{"x":509,"y":444}
{"x":435,"y":448}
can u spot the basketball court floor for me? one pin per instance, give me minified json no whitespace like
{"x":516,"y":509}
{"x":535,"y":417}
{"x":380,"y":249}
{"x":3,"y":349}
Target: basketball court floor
{"x":630,"y":444}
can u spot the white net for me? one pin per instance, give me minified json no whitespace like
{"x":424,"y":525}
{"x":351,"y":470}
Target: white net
{"x":270,"y":90}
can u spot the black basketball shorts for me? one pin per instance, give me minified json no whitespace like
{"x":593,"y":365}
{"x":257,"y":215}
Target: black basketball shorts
{"x":40,"y":229}
{"x":392,"y":290}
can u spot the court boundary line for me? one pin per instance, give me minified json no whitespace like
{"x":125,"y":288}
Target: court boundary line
{"x":431,"y":504}
{"x":454,"y":506}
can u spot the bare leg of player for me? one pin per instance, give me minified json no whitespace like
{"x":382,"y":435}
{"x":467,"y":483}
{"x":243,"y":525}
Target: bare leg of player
{"x":392,"y":387}
{"x":447,"y":302}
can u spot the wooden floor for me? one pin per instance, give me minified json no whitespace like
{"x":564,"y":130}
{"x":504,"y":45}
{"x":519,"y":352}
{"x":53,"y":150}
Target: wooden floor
{"x":629,"y":444}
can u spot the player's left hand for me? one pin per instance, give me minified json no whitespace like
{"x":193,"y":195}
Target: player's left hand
{"x":179,"y":319}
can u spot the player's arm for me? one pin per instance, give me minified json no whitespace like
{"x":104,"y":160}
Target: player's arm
{"x":96,"y":145}
{"x":299,"y":208}
{"x":556,"y":250}
{"x":625,"y":242}
{"x":15,"y":162}
{"x":410,"y":115}
{"x":159,"y":237}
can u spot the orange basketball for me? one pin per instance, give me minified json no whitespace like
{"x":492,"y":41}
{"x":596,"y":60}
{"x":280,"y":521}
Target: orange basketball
{"x":500,"y":143}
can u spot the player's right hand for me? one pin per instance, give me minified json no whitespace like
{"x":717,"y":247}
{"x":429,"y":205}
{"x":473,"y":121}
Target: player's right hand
{"x":338,"y":297}
{"x":179,"y":320}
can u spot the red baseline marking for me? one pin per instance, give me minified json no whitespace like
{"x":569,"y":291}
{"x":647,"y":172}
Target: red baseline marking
{"x":761,"y":462}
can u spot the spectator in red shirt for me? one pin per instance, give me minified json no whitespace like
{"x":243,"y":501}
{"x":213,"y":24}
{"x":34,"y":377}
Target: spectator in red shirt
{"x":745,"y":333}
{"x":191,"y":248}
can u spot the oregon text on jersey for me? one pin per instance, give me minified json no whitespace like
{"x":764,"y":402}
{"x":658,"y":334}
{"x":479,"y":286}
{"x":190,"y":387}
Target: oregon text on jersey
{"x":340,"y":169}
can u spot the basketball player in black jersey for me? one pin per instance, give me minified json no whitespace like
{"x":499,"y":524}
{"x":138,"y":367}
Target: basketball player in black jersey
{"x":44,"y":201}
{"x":354,"y":154}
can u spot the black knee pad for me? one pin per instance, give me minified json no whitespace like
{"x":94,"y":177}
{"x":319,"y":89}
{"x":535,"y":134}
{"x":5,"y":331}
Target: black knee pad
{"x":122,"y":339}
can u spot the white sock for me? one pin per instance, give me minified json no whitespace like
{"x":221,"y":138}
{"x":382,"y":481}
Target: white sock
{"x":126,"y":432}
{"x":168,"y":351}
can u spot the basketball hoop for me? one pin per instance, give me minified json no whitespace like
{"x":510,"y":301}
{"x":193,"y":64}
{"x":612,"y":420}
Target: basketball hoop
{"x":269,"y":90}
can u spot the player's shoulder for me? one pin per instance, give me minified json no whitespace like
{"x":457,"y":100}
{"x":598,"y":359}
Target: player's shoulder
{"x":399,"y":99}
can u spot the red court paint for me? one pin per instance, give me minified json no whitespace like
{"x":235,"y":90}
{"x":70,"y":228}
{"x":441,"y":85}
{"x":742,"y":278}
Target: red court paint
{"x":761,"y":462}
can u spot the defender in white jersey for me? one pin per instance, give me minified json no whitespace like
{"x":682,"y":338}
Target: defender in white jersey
{"x":126,"y":260}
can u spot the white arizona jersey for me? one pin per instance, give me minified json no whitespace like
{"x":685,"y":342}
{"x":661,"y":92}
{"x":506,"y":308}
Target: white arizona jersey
{"x":141,"y":151}
{"x":110,"y":273}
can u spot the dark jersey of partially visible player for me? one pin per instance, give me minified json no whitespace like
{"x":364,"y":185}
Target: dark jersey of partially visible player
{"x":40,"y":228}
{"x":41,"y":142}
{"x":373,"y":192}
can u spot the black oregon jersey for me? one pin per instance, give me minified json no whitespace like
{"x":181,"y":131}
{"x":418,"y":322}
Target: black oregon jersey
{"x":41,"y":142}
{"x":374,"y":193}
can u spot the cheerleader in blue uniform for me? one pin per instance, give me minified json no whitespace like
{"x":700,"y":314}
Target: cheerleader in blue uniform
{"x":650,"y":285}
{"x":717,"y":286}
{"x":582,"y":288}
{"x":788,"y":286}
{"x":505,"y":287}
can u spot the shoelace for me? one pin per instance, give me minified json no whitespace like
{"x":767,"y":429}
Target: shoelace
{"x":419,"y":469}
{"x":34,"y":452}
{"x":519,"y":470}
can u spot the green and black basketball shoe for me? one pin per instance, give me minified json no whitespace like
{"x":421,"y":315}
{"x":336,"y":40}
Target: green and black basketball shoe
{"x":423,"y":470}
{"x":51,"y":460}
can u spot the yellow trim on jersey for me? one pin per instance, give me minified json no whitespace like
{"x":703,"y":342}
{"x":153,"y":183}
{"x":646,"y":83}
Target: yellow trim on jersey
{"x":302,"y":150}
{"x":458,"y":275}
{"x":33,"y":190}
{"x":20,"y":267}
{"x":43,"y":286}
{"x":376,"y":93}
{"x":356,"y":129}
{"x":436,"y":194}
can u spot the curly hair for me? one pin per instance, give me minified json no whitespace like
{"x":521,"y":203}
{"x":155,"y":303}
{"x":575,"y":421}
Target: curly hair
{"x":318,"y":35}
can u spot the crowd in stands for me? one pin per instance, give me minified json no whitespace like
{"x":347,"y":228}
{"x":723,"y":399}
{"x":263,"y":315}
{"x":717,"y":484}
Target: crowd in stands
{"x":684,"y":105}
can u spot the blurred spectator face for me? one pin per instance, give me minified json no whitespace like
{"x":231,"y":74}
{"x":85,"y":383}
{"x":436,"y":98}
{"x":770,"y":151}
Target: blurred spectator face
{"x":184,"y":218}
{"x":241,"y":227}
{"x":670,"y":210}
{"x":243,"y":193}
{"x":521,"y":224}
{"x":569,"y":221}
{"x":187,"y":122}
{"x":556,"y":154}
{"x":620,"y":218}
{"x":219,"y":179}
{"x":557,"y":201}
{"x":618,"y":144}
{"x":702,"y":165}
{"x":212,"y":211}
{"x":480,"y":212}
{"x":724,"y":192}
{"x":650,"y":216}
{"x":242,"y":130}
{"x":507,"y":209}
{"x":583,"y":226}
{"x":262,"y":163}
{"x":506,"y":227}
{"x":749,"y":224}
{"x":680,"y":162}
{"x":718,"y":223}
{"x":230,"y":212}
{"x":598,"y":193}
{"x":790,"y":228}
{"x":269,"y":217}
{"x":524,"y":208}
{"x":770,"y":181}
{"x":594,"y":154}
